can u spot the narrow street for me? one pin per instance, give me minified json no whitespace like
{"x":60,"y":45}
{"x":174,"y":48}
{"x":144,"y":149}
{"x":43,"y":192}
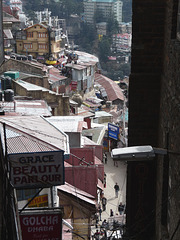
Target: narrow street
{"x":115,"y":173}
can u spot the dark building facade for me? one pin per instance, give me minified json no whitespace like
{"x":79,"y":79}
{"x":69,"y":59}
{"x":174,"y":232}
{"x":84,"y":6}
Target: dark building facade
{"x":153,"y":187}
{"x":1,"y":35}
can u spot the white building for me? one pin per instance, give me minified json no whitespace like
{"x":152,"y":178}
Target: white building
{"x":107,"y":7}
{"x":122,"y":42}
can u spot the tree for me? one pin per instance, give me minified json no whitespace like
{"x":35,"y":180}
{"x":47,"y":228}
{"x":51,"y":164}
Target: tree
{"x":104,"y":49}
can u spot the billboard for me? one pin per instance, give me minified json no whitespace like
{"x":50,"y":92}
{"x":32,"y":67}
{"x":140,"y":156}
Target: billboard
{"x":40,"y":201}
{"x":37,"y":169}
{"x":113,"y":131}
{"x":46,"y":225}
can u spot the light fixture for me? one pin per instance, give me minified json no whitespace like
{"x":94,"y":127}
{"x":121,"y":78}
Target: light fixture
{"x":137,"y":153}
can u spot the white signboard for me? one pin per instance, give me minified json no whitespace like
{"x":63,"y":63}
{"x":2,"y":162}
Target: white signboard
{"x":37,"y":170}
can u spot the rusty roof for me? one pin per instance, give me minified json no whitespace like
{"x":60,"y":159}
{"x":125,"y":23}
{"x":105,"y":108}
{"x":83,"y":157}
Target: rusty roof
{"x":112,"y":89}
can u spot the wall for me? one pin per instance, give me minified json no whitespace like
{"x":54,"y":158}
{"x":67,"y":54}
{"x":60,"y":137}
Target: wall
{"x":168,"y":176}
{"x":148,"y":22}
{"x":58,"y":102}
{"x":21,"y":66}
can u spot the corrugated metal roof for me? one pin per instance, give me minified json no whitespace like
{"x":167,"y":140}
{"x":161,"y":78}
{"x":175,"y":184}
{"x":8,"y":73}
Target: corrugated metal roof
{"x":27,"y":107}
{"x":33,"y":133}
{"x":68,"y":188}
{"x":112,"y":89}
{"x":67,"y":123}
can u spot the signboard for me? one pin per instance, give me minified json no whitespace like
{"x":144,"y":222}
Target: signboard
{"x":37,"y":170}
{"x":40,"y":201}
{"x":113,"y":131}
{"x":41,"y":226}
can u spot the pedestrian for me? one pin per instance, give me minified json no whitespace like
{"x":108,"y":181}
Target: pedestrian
{"x":104,"y":180}
{"x":121,"y":208}
{"x":97,"y":219}
{"x":96,"y":235}
{"x":104,"y":202}
{"x":105,"y":158}
{"x":100,"y":211}
{"x":116,"y":187}
{"x":105,"y":224}
{"x":111,"y":213}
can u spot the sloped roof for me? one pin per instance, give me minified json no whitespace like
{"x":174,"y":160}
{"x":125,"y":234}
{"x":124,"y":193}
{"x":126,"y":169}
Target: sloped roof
{"x":68,"y":188}
{"x":37,"y":24}
{"x":32,"y":133}
{"x":112,"y":89}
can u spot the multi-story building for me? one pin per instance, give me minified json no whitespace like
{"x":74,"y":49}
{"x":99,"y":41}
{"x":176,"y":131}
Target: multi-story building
{"x":39,"y":40}
{"x":122,"y":42}
{"x":106,"y":7}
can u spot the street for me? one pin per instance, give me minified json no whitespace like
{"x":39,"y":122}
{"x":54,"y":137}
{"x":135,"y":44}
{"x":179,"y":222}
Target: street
{"x":115,"y":173}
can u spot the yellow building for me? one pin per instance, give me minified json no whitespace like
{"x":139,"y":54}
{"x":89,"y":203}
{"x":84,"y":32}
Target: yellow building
{"x":40,"y":41}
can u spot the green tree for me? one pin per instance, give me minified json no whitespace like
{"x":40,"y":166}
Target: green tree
{"x":112,"y":26}
{"x":104,"y":49}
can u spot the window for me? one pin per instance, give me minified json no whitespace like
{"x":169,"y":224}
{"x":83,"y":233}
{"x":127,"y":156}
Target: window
{"x":28,"y":45}
{"x":42,"y":46}
{"x":42,"y":35}
{"x":30,"y":34}
{"x":25,"y":194}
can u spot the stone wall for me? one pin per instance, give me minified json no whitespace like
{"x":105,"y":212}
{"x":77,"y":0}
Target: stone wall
{"x":154,"y":114}
{"x":58,"y":102}
{"x":21,"y":66}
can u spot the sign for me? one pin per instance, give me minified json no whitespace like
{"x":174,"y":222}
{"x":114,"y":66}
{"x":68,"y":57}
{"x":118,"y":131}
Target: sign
{"x":41,"y":226}
{"x":113,"y":131}
{"x":40,"y":201}
{"x":37,"y":170}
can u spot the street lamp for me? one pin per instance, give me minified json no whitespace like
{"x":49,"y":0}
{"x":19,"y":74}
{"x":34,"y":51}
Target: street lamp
{"x":139,"y":153}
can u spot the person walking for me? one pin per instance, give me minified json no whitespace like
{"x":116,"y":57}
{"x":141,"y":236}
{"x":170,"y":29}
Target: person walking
{"x":104,"y":202}
{"x":100,"y":211}
{"x":121,"y":208}
{"x":116,"y":187}
{"x":105,"y":158}
{"x":104,"y":180}
{"x":111,"y":213}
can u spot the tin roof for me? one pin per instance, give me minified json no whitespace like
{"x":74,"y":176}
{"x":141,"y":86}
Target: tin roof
{"x":27,"y":108}
{"x":32,"y":133}
{"x":68,"y":188}
{"x":112,"y":89}
{"x":68,"y":123}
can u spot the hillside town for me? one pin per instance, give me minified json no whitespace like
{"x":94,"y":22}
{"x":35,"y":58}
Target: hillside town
{"x":60,"y":119}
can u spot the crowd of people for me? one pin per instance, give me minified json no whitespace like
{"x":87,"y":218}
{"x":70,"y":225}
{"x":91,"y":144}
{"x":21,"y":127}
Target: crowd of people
{"x":113,"y":222}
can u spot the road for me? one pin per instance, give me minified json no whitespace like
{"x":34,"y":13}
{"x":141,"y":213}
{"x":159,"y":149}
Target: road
{"x":115,"y":172}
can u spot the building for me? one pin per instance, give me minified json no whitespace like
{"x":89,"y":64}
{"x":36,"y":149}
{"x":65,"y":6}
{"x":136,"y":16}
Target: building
{"x":107,"y":7}
{"x":122,"y":42}
{"x":39,"y":40}
{"x":1,"y":36}
{"x":153,"y":193}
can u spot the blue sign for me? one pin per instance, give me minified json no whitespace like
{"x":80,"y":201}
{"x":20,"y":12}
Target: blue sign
{"x":113,"y":131}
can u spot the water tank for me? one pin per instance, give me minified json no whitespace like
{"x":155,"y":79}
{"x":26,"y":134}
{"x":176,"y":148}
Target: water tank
{"x":18,"y":57}
{"x":30,"y":57}
{"x":8,"y":95}
{"x":6,"y":83}
{"x":1,"y":96}
{"x":24,"y":58}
